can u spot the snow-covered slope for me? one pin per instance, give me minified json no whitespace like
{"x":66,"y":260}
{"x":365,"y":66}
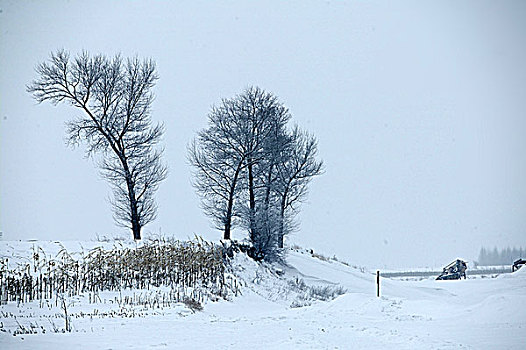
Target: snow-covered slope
{"x":467,"y":314}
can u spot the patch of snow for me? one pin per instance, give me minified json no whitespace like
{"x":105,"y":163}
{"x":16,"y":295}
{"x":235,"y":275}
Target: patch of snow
{"x":467,"y":314}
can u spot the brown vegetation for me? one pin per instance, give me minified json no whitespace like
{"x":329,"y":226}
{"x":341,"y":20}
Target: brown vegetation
{"x":194,"y":270}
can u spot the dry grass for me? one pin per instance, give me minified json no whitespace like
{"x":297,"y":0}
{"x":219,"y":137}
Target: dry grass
{"x":193,"y":270}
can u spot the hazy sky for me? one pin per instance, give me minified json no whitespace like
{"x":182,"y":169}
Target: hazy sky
{"x":419,"y":108}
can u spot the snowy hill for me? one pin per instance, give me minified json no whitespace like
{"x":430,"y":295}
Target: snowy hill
{"x":290,"y":307}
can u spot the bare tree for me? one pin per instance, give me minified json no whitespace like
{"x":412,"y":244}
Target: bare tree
{"x":267,"y":214}
{"x":295,"y":169}
{"x":115,"y":97}
{"x":263,"y":118}
{"x":250,"y":170}
{"x":219,"y":162}
{"x":224,"y":156}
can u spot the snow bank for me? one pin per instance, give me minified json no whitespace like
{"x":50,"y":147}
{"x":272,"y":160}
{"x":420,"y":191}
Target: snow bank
{"x":471,"y":314}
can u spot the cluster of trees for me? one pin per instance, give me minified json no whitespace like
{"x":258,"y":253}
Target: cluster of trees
{"x":251,"y":170}
{"x":503,"y":257}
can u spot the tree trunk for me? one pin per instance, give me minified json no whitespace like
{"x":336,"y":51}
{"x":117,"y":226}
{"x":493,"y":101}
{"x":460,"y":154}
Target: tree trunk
{"x":136,"y":227}
{"x":280,"y":241}
{"x":252,"y":202}
{"x":267,"y":192}
{"x":228,"y":219}
{"x":281,"y":228}
{"x":230,"y":205}
{"x":135,"y":220}
{"x":269,"y":227}
{"x":226,"y":234}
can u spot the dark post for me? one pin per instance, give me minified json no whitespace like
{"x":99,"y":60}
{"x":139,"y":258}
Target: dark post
{"x":378,"y":283}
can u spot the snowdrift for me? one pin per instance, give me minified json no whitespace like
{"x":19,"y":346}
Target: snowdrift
{"x":307,"y":303}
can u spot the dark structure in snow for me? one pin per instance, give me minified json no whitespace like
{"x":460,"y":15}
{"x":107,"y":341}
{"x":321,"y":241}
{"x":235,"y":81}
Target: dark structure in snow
{"x":517,"y":264}
{"x":454,"y":271}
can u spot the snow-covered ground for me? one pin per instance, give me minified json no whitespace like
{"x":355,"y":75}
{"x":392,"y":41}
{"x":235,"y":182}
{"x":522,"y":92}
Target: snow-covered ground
{"x":468,"y":314}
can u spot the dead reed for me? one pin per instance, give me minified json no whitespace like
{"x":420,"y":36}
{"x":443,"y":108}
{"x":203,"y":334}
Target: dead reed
{"x":186,"y":270}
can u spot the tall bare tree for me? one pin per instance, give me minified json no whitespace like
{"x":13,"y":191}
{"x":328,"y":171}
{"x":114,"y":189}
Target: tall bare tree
{"x":250,"y":169}
{"x":225,"y":155}
{"x":264,"y":117}
{"x":218,"y":156}
{"x":296,"y":167}
{"x":115,"y":96}
{"x":267,"y":219}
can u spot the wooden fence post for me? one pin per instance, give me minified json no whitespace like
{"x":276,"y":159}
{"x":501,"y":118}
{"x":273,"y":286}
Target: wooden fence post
{"x":378,"y":283}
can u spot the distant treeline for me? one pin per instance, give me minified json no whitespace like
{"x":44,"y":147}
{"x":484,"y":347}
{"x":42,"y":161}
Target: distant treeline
{"x":503,"y":257}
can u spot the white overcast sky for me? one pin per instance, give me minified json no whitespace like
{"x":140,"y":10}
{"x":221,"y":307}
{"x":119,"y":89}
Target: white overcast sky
{"x":419,"y":108}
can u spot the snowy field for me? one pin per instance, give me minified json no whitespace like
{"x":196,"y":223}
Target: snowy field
{"x":275,"y":312}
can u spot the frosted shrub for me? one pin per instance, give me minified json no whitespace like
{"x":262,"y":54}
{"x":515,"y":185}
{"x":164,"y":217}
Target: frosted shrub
{"x":325,"y":293}
{"x":308,"y":294}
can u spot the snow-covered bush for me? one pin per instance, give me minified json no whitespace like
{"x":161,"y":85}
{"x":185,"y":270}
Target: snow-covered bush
{"x":308,"y":294}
